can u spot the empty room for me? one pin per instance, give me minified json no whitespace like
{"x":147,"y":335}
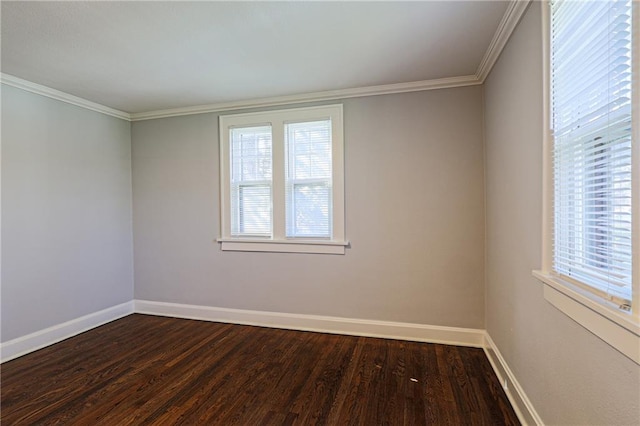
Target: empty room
{"x":320,"y":213}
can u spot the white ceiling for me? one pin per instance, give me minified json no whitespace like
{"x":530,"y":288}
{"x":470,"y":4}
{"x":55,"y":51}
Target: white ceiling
{"x":147,"y":56}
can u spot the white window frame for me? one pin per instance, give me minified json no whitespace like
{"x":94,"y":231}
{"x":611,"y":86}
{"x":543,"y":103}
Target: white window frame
{"x":617,"y":327}
{"x":278,"y":242}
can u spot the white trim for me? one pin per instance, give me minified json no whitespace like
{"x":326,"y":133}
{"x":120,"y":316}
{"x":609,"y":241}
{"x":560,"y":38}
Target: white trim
{"x":283,"y":246}
{"x":323,"y":324}
{"x":386,"y":89}
{"x":511,"y":18}
{"x":519,"y":401}
{"x":513,"y":14}
{"x":590,"y":300}
{"x":38,"y":340}
{"x":618,"y":329}
{"x":316,"y":323}
{"x":39,"y":89}
{"x":277,"y":241}
{"x":547,"y":144}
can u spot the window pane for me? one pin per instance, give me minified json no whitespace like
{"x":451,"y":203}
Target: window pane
{"x":251,"y":154}
{"x":309,"y":150}
{"x":308,"y":179}
{"x":254,"y":210}
{"x":310,"y":210}
{"x":251,"y":175}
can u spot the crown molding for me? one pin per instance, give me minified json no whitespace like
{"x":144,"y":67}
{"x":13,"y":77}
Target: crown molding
{"x":415,"y":86}
{"x":510,"y":20}
{"x":513,"y":14}
{"x":39,"y":89}
{"x":386,"y":89}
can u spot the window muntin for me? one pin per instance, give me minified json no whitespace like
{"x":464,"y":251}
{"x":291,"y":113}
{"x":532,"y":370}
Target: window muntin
{"x":591,"y":119}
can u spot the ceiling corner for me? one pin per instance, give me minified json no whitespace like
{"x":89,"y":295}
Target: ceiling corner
{"x":513,"y":14}
{"x":39,"y":89}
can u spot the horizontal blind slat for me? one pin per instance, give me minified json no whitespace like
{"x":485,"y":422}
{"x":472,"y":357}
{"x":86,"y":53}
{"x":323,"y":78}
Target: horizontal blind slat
{"x":591,"y":125}
{"x":251,"y":181}
{"x":308,"y":179}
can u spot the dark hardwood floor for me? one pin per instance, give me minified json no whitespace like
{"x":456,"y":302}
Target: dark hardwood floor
{"x":142,"y":370}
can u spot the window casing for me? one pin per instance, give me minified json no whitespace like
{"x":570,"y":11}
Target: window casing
{"x":282,"y":184}
{"x":591,"y":167}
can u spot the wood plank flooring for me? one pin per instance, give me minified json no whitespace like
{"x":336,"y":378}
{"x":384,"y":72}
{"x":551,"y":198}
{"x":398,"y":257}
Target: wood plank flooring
{"x":147,"y":370}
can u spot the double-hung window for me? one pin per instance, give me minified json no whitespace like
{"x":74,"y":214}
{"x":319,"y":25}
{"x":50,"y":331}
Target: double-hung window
{"x":282,"y":185}
{"x":592,"y":164}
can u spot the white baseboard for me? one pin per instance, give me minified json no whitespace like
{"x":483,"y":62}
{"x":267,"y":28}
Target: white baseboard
{"x":32,"y":342}
{"x":519,"y":400}
{"x":324,"y":324}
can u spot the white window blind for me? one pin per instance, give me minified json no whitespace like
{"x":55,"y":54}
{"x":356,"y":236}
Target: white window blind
{"x":251,"y":175}
{"x":591,"y":95}
{"x":308,"y":179}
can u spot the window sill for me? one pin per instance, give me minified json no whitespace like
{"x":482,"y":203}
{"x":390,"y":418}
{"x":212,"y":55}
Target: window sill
{"x":619,"y":329}
{"x":283,"y":246}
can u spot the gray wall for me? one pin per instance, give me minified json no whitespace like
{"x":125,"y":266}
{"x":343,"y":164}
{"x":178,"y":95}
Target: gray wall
{"x":414,"y":216}
{"x":66,"y":212}
{"x":570,"y":375}
{"x":67,"y":244}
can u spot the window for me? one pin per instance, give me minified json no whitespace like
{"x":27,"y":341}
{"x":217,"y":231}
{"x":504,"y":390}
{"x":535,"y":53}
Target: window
{"x":592,"y":132}
{"x":592,"y":165}
{"x":282,"y":181}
